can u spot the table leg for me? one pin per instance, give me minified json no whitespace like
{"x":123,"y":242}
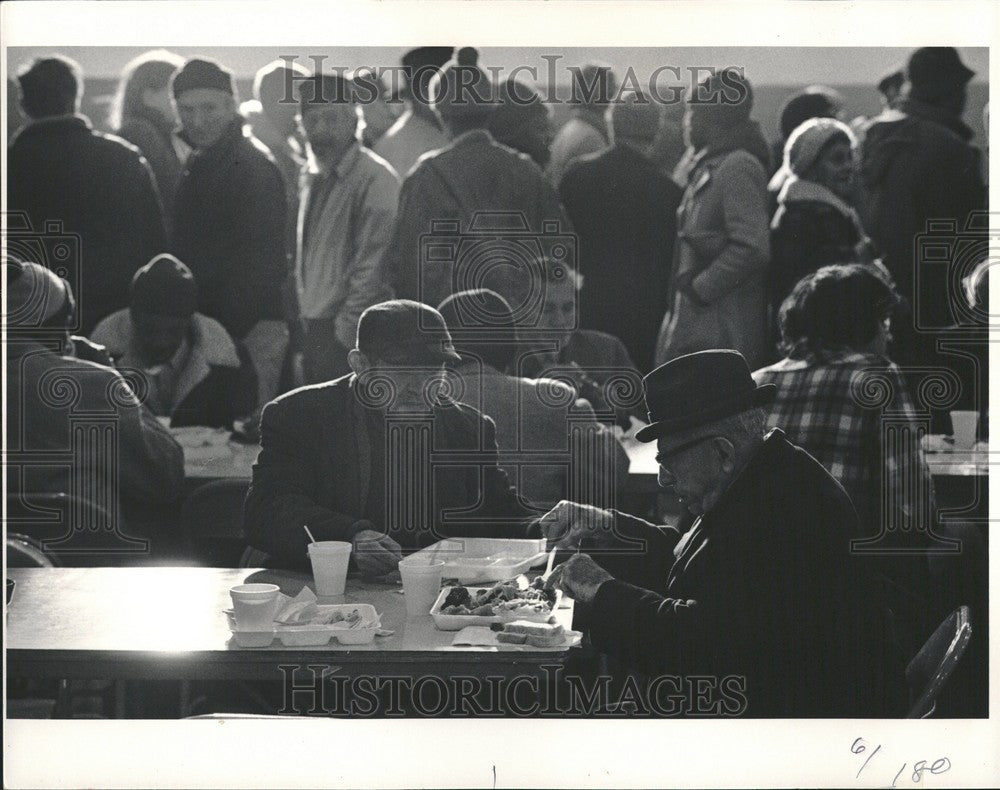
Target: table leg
{"x":119,"y":699}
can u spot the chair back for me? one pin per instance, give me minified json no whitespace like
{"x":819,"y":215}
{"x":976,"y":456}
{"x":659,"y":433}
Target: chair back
{"x":212,"y":516}
{"x":74,"y":530}
{"x":24,"y":551}
{"x":928,"y":672}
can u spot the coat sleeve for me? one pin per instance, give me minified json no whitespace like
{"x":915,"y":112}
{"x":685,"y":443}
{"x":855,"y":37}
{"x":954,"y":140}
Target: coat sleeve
{"x":744,"y":207}
{"x":402,"y":256}
{"x":255,"y":287}
{"x":144,"y":214}
{"x":643,"y":554}
{"x":367,"y":284}
{"x":151,"y":461}
{"x":281,"y":498}
{"x":500,"y":512}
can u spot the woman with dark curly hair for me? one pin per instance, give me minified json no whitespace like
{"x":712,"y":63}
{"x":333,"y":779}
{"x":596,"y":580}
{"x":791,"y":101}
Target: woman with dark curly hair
{"x":842,"y":399}
{"x":143,"y":114}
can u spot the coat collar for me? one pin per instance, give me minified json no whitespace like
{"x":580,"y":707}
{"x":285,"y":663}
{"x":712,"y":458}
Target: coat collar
{"x":929,"y":112}
{"x":56,"y":123}
{"x":211,"y":346}
{"x":796,"y":189}
{"x":220,"y":147}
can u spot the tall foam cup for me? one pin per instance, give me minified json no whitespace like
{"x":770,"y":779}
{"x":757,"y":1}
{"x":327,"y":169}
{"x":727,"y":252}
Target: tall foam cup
{"x":329,"y":563}
{"x":254,"y":606}
{"x":963,"y":428}
{"x":421,"y":584}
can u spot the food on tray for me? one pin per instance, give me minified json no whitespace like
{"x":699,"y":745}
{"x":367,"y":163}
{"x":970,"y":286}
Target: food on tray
{"x":310,"y":614}
{"x":533,"y":629}
{"x":535,"y":634}
{"x":501,"y":598}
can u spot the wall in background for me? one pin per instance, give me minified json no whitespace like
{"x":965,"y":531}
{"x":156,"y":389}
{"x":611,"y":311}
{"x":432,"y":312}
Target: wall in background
{"x":775,"y":72}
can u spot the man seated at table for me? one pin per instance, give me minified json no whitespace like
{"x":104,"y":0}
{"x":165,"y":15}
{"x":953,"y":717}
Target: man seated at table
{"x":194,"y":372}
{"x":593,"y":360}
{"x":757,"y":581}
{"x":382,"y":457}
{"x":55,"y":401}
{"x":550,"y":439}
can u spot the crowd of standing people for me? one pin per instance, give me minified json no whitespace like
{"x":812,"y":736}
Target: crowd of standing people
{"x":232,"y":253}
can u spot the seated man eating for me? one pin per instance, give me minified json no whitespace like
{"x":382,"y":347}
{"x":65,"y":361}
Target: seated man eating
{"x":757,"y":582}
{"x":382,"y":457}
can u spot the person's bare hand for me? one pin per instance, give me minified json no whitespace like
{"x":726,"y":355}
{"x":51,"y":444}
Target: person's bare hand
{"x":375,"y":554}
{"x":568,"y":523}
{"x":579,"y":578}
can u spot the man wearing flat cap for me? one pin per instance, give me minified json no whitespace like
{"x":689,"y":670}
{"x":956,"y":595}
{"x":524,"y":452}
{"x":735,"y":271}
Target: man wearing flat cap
{"x":918,"y":164}
{"x":195,"y":373}
{"x":229,"y":219}
{"x":757,"y":581}
{"x":383,"y":457}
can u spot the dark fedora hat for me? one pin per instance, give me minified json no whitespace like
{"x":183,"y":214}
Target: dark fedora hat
{"x":698,"y":389}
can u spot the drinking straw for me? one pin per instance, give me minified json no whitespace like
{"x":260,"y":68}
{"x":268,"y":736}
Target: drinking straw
{"x":311,"y":538}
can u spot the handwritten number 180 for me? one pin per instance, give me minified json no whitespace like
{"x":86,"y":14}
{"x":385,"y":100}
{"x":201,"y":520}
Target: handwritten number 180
{"x":939,"y":766}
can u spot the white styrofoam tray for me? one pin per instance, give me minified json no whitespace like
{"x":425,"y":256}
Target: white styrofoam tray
{"x":315,"y":635}
{"x":456,"y":622}
{"x":476,"y":560}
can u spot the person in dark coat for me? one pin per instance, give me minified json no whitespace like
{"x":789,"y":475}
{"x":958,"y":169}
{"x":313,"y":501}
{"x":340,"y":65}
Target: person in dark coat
{"x":522,"y":121}
{"x":354,"y":458}
{"x":144,"y":115}
{"x":917,"y":165}
{"x":471,"y":188}
{"x":815,"y":225}
{"x":195,"y":374}
{"x":757,"y":582}
{"x":229,"y":220}
{"x":625,"y":210}
{"x":72,"y":180}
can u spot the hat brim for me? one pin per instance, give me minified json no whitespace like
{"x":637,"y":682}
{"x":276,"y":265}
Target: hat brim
{"x":760,"y":396}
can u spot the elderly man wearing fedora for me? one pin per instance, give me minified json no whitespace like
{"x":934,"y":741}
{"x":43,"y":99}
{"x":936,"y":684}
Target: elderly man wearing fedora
{"x":382,"y":457}
{"x":757,"y":581}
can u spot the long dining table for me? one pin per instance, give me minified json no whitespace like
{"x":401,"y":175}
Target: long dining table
{"x":169,"y":623}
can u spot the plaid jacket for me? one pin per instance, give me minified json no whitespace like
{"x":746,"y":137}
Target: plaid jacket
{"x":853,"y":413}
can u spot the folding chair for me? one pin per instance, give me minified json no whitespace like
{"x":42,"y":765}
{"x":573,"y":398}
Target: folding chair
{"x":928,"y":672}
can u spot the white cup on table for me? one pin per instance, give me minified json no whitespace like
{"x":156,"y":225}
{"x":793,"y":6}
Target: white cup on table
{"x":421,"y":584}
{"x":964,"y":426}
{"x":329,"y":563}
{"x":254,"y":606}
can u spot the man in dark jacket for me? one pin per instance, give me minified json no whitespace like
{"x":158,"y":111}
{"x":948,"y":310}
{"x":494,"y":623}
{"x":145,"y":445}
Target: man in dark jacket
{"x":918,"y":165}
{"x":757,"y":582}
{"x":229,"y":219}
{"x":452,"y":193}
{"x":195,"y":374}
{"x":376,"y":458}
{"x":625,"y":211}
{"x":93,"y":185}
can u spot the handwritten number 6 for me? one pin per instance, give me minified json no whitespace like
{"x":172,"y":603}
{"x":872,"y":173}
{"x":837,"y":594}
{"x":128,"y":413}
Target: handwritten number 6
{"x":858,"y":747}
